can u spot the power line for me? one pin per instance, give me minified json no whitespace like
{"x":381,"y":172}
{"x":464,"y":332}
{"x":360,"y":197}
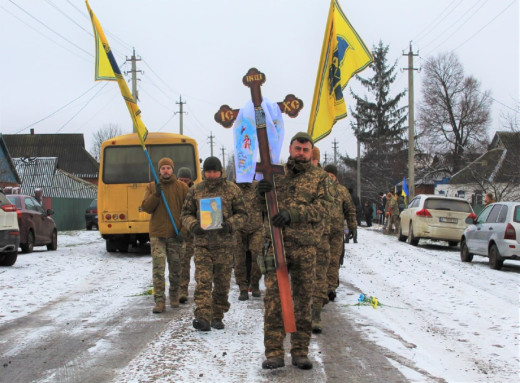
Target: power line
{"x":83,"y":107}
{"x":50,"y":29}
{"x":53,"y":113}
{"x":434,"y":23}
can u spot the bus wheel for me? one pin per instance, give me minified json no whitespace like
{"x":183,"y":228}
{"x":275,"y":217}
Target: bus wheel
{"x":111,"y":245}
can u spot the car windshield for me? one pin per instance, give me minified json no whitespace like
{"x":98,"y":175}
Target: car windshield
{"x":447,"y":204}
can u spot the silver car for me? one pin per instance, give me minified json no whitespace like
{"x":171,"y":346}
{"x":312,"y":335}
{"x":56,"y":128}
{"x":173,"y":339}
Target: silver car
{"x":434,"y":217}
{"x":493,"y":234}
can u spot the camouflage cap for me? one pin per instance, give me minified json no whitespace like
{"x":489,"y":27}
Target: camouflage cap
{"x":302,"y":137}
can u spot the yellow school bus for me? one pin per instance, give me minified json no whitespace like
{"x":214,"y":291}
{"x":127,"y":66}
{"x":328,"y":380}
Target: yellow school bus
{"x":124,"y":172}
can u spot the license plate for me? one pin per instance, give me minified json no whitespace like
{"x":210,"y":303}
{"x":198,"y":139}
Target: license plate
{"x":448,"y":220}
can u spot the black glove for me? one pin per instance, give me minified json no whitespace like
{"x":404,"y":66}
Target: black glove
{"x":352,"y":233}
{"x":264,"y":186}
{"x":197,"y":230}
{"x":179,"y":238}
{"x":281,"y":219}
{"x":226,"y":227}
{"x":158,"y":189}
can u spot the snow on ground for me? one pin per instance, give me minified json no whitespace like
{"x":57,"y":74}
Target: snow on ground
{"x":439,"y":319}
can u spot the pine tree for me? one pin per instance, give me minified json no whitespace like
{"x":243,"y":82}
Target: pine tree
{"x":379,"y":127}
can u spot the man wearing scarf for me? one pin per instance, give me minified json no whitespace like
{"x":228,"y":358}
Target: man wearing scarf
{"x":300,"y":192}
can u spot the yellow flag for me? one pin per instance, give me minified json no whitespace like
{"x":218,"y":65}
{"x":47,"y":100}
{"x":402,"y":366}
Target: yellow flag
{"x":343,"y":54}
{"x":107,"y":69}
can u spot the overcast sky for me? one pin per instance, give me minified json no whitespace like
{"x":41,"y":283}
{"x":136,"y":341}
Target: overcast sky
{"x":201,"y":49}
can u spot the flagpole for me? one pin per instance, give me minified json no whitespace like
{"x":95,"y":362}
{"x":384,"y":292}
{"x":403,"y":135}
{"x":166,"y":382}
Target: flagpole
{"x":131,"y":103}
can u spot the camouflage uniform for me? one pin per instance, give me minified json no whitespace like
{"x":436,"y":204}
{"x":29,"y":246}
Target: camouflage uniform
{"x":187,"y":253}
{"x":322,"y":261}
{"x":164,"y":247}
{"x":342,"y":208}
{"x":394,"y":214}
{"x":213,"y":260}
{"x":250,"y":237}
{"x":300,"y":192}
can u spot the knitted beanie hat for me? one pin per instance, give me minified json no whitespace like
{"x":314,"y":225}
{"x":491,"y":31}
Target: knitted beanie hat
{"x":165,"y":161}
{"x":331,"y":169}
{"x":184,"y":173}
{"x":212,"y":163}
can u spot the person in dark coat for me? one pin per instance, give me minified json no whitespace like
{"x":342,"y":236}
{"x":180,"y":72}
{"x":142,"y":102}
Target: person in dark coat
{"x":368,"y":210}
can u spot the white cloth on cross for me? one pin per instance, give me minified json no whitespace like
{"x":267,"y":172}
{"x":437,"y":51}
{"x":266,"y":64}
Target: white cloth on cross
{"x":246,"y":140}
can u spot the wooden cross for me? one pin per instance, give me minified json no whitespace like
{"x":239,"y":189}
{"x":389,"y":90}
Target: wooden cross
{"x":226,"y":116}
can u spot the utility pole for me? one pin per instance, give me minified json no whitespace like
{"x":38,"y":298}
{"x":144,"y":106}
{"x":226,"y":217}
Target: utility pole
{"x":211,"y":137}
{"x":335,"y":147}
{"x":223,"y":157}
{"x":325,"y":158}
{"x":411,"y":127}
{"x":180,"y":103}
{"x":134,"y":72}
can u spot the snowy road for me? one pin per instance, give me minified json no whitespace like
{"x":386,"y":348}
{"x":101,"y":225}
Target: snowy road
{"x":75,"y":315}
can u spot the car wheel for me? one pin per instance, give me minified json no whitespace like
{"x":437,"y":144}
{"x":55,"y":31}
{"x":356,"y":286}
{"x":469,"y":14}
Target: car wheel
{"x":29,"y":245}
{"x":495,"y":260}
{"x":465,"y":255}
{"x":412,"y":240}
{"x":54,"y":241}
{"x":8,"y":259}
{"x":401,"y":237}
{"x":452,"y":243}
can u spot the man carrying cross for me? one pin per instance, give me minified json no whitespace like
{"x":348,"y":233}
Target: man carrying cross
{"x":301,"y":192}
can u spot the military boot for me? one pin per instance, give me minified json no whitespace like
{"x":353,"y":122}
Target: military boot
{"x":272,"y":363}
{"x":183,"y":298}
{"x":256,"y":291}
{"x":217,"y":324}
{"x":302,"y":362}
{"x":244,"y":295}
{"x":316,"y":318}
{"x":201,"y":324}
{"x":158,"y":308}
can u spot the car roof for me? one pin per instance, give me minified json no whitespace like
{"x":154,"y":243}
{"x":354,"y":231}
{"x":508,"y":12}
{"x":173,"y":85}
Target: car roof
{"x":439,"y":196}
{"x":508,"y":203}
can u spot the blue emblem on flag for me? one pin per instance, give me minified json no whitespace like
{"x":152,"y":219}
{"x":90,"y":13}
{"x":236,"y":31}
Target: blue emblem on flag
{"x":335,"y":68}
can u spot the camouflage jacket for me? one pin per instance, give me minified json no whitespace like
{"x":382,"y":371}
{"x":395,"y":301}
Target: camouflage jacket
{"x":301,"y":191}
{"x":342,"y":208}
{"x":393,"y":207}
{"x":253,"y":207}
{"x":233,"y":211}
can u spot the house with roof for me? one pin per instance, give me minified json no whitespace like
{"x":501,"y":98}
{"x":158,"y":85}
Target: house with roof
{"x":496,"y":171}
{"x":69,"y":149}
{"x":8,"y":175}
{"x":66,"y":194}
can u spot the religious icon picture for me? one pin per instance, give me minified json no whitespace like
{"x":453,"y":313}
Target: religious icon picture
{"x":211,"y":213}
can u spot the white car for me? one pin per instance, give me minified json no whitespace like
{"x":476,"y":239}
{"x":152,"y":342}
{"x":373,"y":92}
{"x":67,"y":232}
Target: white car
{"x":434,"y":217}
{"x":494,"y":234}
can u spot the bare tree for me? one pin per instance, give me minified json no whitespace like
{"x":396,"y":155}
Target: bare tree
{"x":455,"y":114}
{"x":103,"y":134}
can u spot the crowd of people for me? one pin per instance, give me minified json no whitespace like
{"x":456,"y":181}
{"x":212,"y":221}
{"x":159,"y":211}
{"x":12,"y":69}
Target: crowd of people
{"x":226,"y":227}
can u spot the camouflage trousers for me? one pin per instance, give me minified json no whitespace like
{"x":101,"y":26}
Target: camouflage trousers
{"x":165,"y":250}
{"x":336,"y":248}
{"x":322,"y":267}
{"x":392,"y":225}
{"x":213,"y":277}
{"x":300,"y":263}
{"x":254,"y":242}
{"x":187,"y":253}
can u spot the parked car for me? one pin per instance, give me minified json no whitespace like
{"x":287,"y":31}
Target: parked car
{"x":91,"y":217}
{"x":434,"y":217}
{"x":493,"y":234}
{"x":9,"y":233}
{"x":37,"y":228}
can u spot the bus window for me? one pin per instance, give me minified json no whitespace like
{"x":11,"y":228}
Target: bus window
{"x":128,"y":164}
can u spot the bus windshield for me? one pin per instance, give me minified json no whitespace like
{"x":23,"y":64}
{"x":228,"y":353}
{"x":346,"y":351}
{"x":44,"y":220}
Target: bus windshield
{"x":128,"y":164}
